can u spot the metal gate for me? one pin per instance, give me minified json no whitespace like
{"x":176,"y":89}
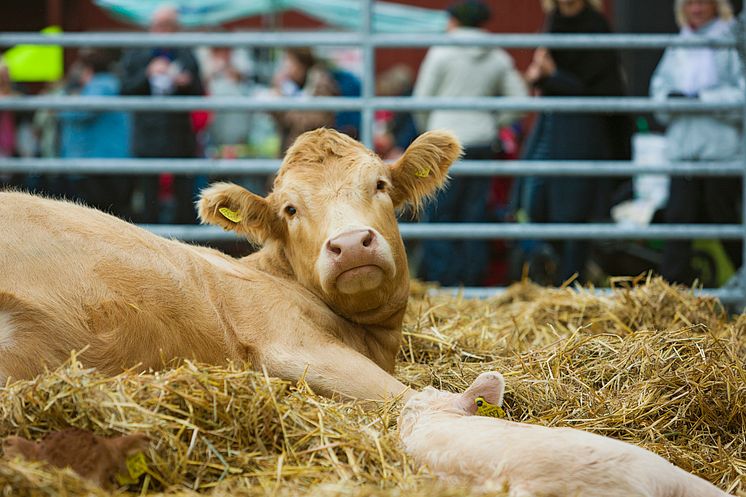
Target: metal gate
{"x":368,"y":41}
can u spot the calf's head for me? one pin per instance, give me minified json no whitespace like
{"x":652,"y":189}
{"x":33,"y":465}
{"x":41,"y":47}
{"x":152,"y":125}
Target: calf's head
{"x":489,"y":385}
{"x":331,"y":215}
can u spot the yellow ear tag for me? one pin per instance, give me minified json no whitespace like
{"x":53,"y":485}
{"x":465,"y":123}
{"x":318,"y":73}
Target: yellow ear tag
{"x":484,"y":408}
{"x":230,"y":215}
{"x":136,"y":467}
{"x":422,"y":173}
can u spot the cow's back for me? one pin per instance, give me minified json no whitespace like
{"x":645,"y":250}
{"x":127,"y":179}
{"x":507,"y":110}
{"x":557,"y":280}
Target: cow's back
{"x":75,"y":276}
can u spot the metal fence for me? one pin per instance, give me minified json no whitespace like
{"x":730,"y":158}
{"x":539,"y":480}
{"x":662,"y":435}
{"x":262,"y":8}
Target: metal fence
{"x":368,"y":103}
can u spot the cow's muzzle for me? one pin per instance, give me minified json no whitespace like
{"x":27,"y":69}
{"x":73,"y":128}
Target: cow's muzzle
{"x":357,"y":260}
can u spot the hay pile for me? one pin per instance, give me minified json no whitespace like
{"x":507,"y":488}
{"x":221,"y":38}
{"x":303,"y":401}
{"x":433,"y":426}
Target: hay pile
{"x":649,"y":364}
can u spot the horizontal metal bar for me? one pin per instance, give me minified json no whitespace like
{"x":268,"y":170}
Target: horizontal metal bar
{"x":725,"y":295}
{"x":341,"y":38}
{"x":474,"y":168}
{"x":591,"y":168}
{"x":584,"y":41}
{"x":522,"y":104}
{"x":500,"y":231}
{"x":558,"y":104}
{"x":497,"y":231}
{"x":186,"y":39}
{"x":216,"y":167}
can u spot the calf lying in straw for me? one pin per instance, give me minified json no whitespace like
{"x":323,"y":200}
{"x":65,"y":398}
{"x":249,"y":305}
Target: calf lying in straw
{"x":98,"y":459}
{"x":439,"y":429}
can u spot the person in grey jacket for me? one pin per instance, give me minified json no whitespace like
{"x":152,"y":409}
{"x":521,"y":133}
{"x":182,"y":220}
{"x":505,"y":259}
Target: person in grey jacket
{"x":163,"y":71}
{"x":465,"y":72}
{"x":709,"y":75}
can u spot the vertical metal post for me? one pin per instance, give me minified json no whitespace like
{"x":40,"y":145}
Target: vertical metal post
{"x":369,"y":72}
{"x":741,"y":39}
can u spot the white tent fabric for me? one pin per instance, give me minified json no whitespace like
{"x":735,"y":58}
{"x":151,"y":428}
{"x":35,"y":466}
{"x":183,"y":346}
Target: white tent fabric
{"x":388,"y":17}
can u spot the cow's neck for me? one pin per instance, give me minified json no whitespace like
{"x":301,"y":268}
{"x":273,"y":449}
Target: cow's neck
{"x":271,"y":259}
{"x":376,"y":324}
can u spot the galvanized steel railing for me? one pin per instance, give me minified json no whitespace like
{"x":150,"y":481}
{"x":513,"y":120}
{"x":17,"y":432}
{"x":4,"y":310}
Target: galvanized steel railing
{"x":368,"y":103}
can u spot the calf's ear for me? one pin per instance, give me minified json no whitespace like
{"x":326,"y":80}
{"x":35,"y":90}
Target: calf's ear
{"x":490,"y":385}
{"x":129,"y":445}
{"x":235,"y":208}
{"x":423,"y":169}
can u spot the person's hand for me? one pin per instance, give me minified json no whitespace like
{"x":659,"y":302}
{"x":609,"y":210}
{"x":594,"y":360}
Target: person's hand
{"x":183,"y":79}
{"x":547,"y":65}
{"x":533,"y":74}
{"x":159,"y":65}
{"x":544,"y":62}
{"x":542,"y":65}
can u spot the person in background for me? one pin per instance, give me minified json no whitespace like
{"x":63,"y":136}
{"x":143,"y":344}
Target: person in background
{"x":163,"y":71}
{"x":302,"y":74}
{"x":464,"y":72}
{"x":393,"y":132}
{"x":229,"y":130}
{"x":709,"y":75}
{"x":562,"y":136}
{"x":227,"y":74}
{"x":7,"y":119}
{"x":98,"y":134}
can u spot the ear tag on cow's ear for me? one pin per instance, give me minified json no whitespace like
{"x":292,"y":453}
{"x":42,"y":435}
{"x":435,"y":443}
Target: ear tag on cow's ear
{"x":136,"y":467}
{"x":484,"y":408}
{"x":422,"y":173}
{"x":230,"y":215}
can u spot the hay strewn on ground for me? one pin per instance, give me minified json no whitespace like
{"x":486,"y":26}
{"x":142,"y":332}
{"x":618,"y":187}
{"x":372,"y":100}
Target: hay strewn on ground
{"x":649,"y":364}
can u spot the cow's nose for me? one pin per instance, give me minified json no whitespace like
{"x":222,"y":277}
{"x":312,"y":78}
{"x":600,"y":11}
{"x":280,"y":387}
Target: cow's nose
{"x":350,"y":242}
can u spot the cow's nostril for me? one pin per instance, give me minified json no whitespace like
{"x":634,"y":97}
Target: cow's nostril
{"x":333,"y":248}
{"x":368,"y":239}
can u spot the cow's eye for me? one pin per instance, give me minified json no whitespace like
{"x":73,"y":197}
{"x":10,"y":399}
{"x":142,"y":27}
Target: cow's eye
{"x":381,"y":185}
{"x":290,"y":210}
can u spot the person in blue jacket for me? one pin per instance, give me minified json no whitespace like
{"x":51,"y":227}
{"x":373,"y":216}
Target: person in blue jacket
{"x":92,"y":134}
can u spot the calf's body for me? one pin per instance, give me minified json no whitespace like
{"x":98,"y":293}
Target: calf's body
{"x":439,"y":429}
{"x":324,"y":296}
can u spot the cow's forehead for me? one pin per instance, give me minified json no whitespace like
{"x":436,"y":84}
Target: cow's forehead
{"x":326,"y":159}
{"x":331,"y":171}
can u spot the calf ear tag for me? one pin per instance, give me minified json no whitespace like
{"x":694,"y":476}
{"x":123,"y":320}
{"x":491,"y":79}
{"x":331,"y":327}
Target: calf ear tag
{"x":136,"y":467}
{"x":422,"y":173}
{"x":230,"y":215}
{"x":484,"y":408}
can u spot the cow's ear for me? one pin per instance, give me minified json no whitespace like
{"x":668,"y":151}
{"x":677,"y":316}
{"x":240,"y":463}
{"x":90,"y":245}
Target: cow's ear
{"x":235,"y":208}
{"x":423,"y":169}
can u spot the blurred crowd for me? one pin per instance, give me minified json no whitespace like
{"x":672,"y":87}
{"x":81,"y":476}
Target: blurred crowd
{"x":706,"y":74}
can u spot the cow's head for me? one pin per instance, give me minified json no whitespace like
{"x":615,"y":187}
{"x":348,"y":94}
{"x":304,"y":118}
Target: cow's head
{"x":332,"y":215}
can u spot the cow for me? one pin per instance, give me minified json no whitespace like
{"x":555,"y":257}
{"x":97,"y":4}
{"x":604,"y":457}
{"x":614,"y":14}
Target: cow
{"x":322,"y":298}
{"x":440,"y":430}
{"x":93,"y":457}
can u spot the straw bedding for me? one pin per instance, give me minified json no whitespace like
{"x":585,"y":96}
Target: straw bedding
{"x":648,"y":363}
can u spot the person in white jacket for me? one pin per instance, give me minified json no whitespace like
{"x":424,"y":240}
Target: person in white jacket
{"x":455,"y":72}
{"x":709,"y":75}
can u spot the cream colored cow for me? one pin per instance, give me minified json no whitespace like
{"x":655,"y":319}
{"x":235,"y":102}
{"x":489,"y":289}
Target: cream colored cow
{"x":325,"y":295}
{"x":440,"y":430}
